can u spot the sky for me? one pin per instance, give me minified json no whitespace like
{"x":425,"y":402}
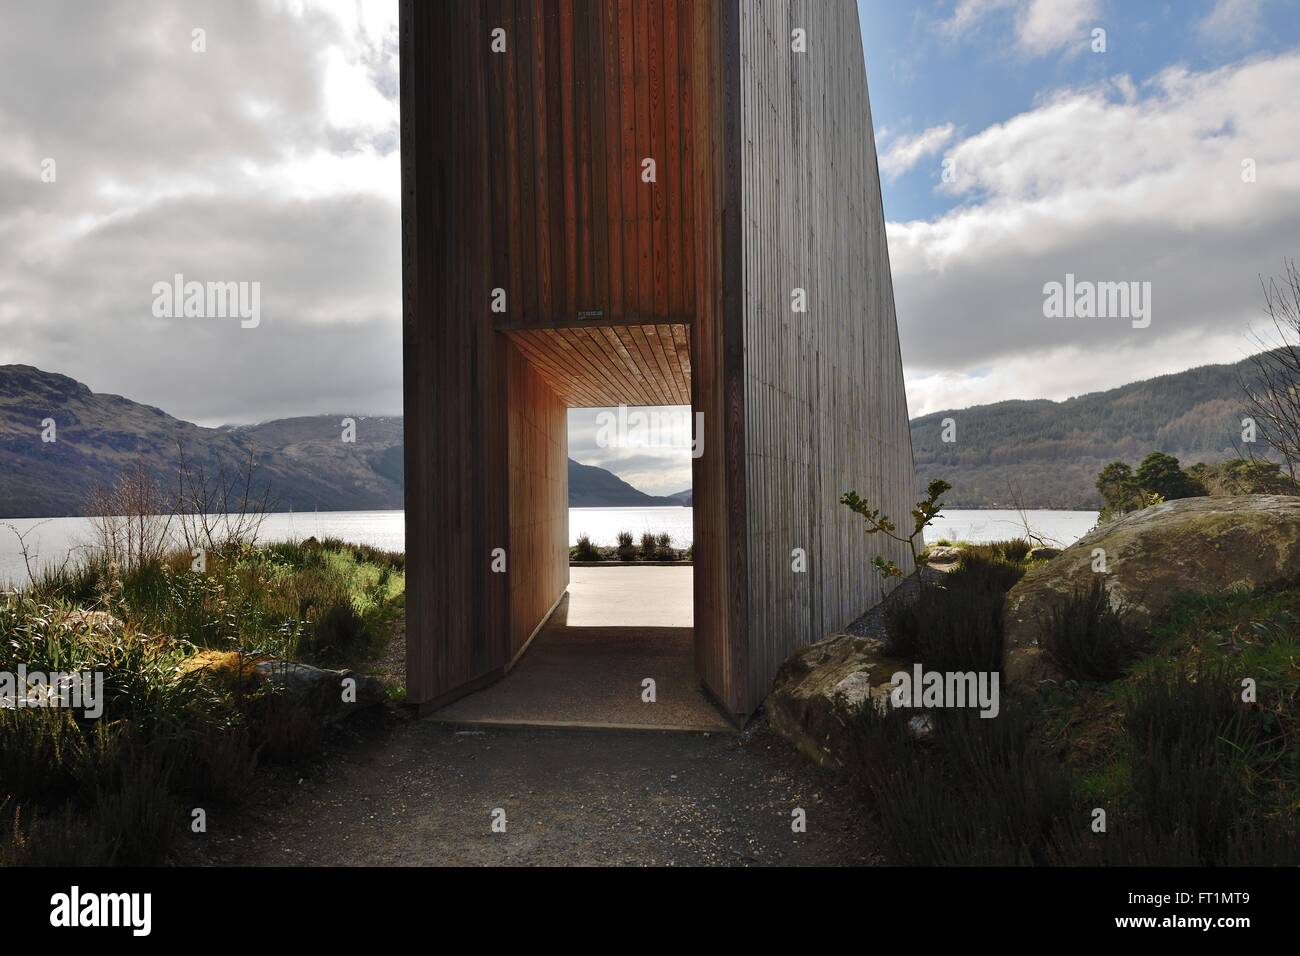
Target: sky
{"x":266,"y":149}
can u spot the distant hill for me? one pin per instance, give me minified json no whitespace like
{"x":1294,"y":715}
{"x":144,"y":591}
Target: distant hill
{"x":304,"y":460}
{"x":592,"y":487}
{"x":683,"y":497}
{"x":1054,"y":450}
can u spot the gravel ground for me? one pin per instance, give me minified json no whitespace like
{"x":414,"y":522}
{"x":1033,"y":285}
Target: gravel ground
{"x":408,"y":792}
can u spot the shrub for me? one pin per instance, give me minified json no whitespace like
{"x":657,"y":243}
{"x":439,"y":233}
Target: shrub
{"x":178,"y":722}
{"x":584,"y":550}
{"x":65,"y":838}
{"x":954,"y":625}
{"x":958,"y":630}
{"x":903,"y":626}
{"x":626,"y":549}
{"x":988,"y":573}
{"x":134,"y":808}
{"x":649,"y":545}
{"x":1192,"y":741}
{"x":1088,"y":637}
{"x":664,"y":547}
{"x":1016,"y":549}
{"x":980,"y":791}
{"x":339,"y":636}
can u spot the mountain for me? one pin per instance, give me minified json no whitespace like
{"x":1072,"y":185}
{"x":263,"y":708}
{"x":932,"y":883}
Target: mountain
{"x":683,"y":497}
{"x":305,"y":461}
{"x":1051,"y":450}
{"x":1054,"y":450}
{"x":592,"y":487}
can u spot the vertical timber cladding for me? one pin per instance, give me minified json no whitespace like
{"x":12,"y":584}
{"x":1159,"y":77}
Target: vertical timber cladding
{"x":717,"y":357}
{"x":453,"y":363}
{"x":584,"y":94}
{"x":824,"y":406}
{"x":539,"y":473}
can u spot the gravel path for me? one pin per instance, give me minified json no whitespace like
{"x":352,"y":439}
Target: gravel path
{"x":406,"y":792}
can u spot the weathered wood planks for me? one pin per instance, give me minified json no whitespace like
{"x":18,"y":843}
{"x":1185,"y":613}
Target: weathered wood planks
{"x":522,"y":171}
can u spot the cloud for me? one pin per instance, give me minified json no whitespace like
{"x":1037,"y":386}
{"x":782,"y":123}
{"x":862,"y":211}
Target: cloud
{"x":1041,"y":26}
{"x":1108,"y":183}
{"x":270,"y":157}
{"x":904,"y":153}
{"x":1232,"y":22}
{"x":659,"y":466}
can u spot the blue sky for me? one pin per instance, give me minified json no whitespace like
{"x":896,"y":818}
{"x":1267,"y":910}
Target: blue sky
{"x":927,"y":73}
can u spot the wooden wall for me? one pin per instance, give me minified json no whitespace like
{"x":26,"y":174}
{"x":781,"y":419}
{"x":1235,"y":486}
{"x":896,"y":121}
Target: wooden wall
{"x":453,"y":362}
{"x":538,"y":452}
{"x":824,"y":405}
{"x":585,"y":91}
{"x":717,"y":356}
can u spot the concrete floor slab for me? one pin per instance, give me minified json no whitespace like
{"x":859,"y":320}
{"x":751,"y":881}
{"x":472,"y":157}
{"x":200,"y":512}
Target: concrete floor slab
{"x":631,"y":596}
{"x":591,"y":674}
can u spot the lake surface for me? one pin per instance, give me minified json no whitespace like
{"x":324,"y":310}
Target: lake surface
{"x":51,"y":540}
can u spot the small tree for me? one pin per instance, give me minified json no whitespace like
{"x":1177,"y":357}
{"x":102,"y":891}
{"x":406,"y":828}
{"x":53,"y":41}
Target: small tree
{"x":221,"y":511}
{"x":1118,"y":488}
{"x":924,"y":512}
{"x":132,"y":518}
{"x":1272,"y":390}
{"x":1163,"y":475}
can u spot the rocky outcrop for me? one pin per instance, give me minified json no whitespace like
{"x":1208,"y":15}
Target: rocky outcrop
{"x":325,"y":696}
{"x":822,"y":686}
{"x":1192,"y":545}
{"x":330,"y":695}
{"x":943,"y":554}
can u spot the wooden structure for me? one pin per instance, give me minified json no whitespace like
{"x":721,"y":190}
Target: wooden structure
{"x":643,"y":202}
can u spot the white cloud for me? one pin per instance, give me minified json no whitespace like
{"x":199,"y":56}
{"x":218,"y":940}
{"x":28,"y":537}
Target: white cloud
{"x":661,"y":466}
{"x":1041,"y":26}
{"x":1232,"y":22}
{"x":904,"y":153}
{"x":1113,"y":183}
{"x":271,"y":157}
{"x":1066,"y":371}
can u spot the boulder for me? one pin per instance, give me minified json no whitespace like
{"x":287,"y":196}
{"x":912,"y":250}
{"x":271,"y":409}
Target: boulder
{"x":1043,"y":552}
{"x":821,"y":686}
{"x":321,"y":692}
{"x":229,"y":670}
{"x":1192,"y":545}
{"x":93,"y":621}
{"x":942,"y":554}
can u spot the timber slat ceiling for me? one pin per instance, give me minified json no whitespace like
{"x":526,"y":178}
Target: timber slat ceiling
{"x":604,"y":366}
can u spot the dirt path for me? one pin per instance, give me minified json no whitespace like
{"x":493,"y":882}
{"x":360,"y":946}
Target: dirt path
{"x":423,"y":793}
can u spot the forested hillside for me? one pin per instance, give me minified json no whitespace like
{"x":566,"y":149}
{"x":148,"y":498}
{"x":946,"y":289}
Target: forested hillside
{"x":1052,"y":451}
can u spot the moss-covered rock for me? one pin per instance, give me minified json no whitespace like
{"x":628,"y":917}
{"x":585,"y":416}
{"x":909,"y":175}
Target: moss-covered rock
{"x":1192,"y":545}
{"x":821,"y":686}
